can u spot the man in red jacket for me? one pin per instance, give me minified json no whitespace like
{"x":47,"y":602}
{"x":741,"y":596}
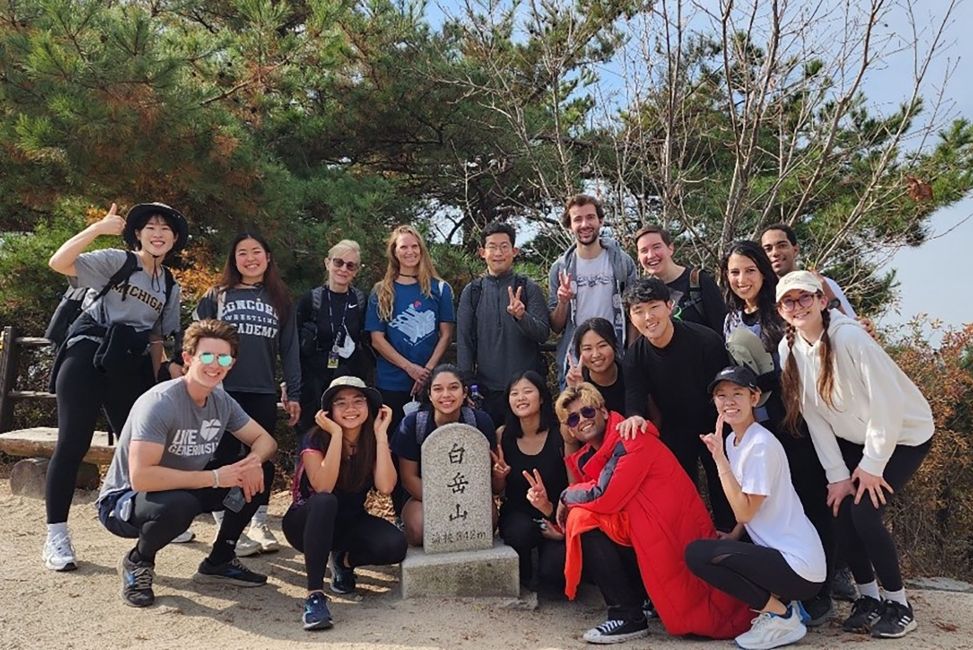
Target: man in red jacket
{"x":628,"y":516}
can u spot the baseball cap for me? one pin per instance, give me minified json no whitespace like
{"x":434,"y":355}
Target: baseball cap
{"x":801,"y":280}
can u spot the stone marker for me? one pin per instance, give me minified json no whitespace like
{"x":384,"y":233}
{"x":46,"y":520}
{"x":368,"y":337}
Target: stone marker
{"x":459,"y":556}
{"x":456,"y":493}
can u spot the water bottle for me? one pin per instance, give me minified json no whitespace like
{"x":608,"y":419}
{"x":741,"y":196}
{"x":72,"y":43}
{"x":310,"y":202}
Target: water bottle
{"x":476,"y":399}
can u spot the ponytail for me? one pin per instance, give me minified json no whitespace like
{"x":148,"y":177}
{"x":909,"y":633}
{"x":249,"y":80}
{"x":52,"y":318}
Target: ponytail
{"x":790,"y":384}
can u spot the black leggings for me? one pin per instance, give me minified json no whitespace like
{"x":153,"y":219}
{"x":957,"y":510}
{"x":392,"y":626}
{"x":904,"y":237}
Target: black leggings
{"x":82,"y":391}
{"x":161,"y":516}
{"x":311,"y":528}
{"x":862,"y":536}
{"x":615,"y":570}
{"x":747,"y":571}
{"x":262,"y":407}
{"x":689,"y":451}
{"x":519,"y":531}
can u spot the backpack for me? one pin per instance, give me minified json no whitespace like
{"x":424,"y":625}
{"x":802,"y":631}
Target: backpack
{"x":308,"y":332}
{"x":476,"y":289}
{"x":695,"y":293}
{"x":467,"y":416}
{"x":70,"y":307}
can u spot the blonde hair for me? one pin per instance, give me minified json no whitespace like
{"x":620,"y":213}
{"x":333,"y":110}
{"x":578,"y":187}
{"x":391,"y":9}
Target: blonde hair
{"x":344,"y":245}
{"x":584,"y":392}
{"x":385,"y":288}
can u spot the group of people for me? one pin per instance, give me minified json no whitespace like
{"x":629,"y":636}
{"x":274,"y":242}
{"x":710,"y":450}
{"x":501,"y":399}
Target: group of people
{"x":803,"y":426}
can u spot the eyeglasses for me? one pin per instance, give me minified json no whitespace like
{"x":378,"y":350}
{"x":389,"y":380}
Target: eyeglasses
{"x":804,"y":300}
{"x":586,"y":412}
{"x":502,"y":248}
{"x":338,"y":263}
{"x":225,"y":360}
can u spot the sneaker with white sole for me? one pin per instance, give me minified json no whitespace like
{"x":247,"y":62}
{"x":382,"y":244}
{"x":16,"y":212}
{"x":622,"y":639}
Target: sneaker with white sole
{"x":184,"y":537}
{"x":262,"y":535}
{"x":615,"y":630}
{"x":896,"y":621}
{"x":772,"y":631}
{"x":865,"y":613}
{"x":245,"y":547}
{"x":58,"y":553}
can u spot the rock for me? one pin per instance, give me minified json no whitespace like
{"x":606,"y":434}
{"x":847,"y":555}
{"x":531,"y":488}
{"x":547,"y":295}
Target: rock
{"x":28,"y":477}
{"x":457,"y":500}
{"x":492,"y":572}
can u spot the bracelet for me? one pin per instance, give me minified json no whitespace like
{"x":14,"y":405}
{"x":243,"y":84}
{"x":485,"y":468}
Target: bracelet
{"x":216,"y":478}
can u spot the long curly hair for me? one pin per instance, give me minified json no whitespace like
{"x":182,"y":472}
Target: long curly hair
{"x":790,"y":379}
{"x":771,"y":324}
{"x":272,"y":282}
{"x":385,"y":288}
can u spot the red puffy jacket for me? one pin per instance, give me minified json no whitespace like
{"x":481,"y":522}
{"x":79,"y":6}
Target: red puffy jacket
{"x":637,"y":493}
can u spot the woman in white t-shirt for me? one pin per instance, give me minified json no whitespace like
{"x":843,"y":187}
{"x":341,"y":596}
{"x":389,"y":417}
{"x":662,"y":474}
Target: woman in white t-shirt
{"x":785,"y":563}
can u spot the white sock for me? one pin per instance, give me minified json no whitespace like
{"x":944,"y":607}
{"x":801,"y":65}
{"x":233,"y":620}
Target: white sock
{"x":869,"y":589}
{"x":53,"y":530}
{"x":218,"y":517}
{"x":897,"y":596}
{"x":259,"y":517}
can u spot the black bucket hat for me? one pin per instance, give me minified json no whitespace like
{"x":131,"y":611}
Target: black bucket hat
{"x":139,"y":215}
{"x":372,"y":395}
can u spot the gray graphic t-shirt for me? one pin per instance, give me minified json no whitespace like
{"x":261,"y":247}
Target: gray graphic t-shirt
{"x":166,"y":414}
{"x":140,"y":303}
{"x":594,"y":287}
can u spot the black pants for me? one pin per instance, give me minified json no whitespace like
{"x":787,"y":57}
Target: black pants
{"x":161,"y":516}
{"x":311,"y":528}
{"x":749,"y":572}
{"x":262,"y":407}
{"x":82,"y":392}
{"x":395,"y":400}
{"x":519,"y":531}
{"x":615,"y":570}
{"x":690,"y":451}
{"x":862,"y":536}
{"x":495,"y":404}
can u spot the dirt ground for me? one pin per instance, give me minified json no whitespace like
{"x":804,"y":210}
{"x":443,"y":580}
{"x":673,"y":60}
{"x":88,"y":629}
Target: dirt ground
{"x":82,"y":609}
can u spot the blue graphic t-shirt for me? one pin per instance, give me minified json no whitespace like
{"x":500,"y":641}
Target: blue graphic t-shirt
{"x":413,"y":330}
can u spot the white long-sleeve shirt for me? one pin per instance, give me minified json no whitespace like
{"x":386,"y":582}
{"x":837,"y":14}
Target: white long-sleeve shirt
{"x":875,"y":403}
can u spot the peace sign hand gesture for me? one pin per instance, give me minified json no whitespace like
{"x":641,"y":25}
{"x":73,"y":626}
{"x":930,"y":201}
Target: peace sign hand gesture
{"x":111,"y":223}
{"x":537,"y":492}
{"x":573,"y":377}
{"x":714,"y":441}
{"x":564,"y":292}
{"x":516,"y":307}
{"x":500,"y":467}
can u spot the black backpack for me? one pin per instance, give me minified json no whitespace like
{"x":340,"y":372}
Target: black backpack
{"x":70,"y":307}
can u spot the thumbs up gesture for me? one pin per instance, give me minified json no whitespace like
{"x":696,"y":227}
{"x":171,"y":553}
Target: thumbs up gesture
{"x":111,"y":223}
{"x":564,"y":292}
{"x":516,"y":307}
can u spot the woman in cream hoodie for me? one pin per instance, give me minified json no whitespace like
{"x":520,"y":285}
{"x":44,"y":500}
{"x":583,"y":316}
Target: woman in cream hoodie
{"x":871,"y":429}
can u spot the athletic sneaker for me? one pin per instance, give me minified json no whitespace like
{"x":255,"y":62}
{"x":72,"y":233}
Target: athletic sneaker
{"x":843,"y":586}
{"x":316,"y":616}
{"x":136,"y":582}
{"x":617,"y":631}
{"x":649,"y":609}
{"x":819,"y":609}
{"x":58,"y":553}
{"x":773,"y":631}
{"x":232,"y":572}
{"x":245,"y":547}
{"x":896,"y":621}
{"x":864,"y":614}
{"x":260,"y":534}
{"x":342,"y":577}
{"x":184,"y":537}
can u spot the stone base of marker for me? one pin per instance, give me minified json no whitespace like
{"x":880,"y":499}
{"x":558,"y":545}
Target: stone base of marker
{"x":483,"y":573}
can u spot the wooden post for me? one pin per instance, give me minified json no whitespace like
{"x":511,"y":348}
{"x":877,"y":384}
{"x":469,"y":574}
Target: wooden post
{"x":9,"y":356}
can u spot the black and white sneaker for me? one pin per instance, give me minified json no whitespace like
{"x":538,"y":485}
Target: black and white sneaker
{"x":865,"y":613}
{"x":897,"y":620}
{"x":232,"y":572}
{"x":617,"y":631}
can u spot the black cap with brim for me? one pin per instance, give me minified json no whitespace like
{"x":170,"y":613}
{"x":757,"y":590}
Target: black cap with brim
{"x":739,"y":375}
{"x":139,"y":215}
{"x":348,"y":381}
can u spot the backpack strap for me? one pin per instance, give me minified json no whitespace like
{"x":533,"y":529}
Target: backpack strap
{"x":696,"y":292}
{"x":422,"y":421}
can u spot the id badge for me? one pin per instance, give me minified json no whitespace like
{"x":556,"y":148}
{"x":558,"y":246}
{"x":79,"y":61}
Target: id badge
{"x":332,"y":359}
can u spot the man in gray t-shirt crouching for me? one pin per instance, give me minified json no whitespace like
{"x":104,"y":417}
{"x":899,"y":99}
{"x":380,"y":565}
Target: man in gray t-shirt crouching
{"x":163,"y":473}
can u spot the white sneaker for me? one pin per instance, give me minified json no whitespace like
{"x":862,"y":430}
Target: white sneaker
{"x":245,"y":547}
{"x":58,"y":553}
{"x":184,"y":537}
{"x":772,"y":631}
{"x":261,"y":534}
